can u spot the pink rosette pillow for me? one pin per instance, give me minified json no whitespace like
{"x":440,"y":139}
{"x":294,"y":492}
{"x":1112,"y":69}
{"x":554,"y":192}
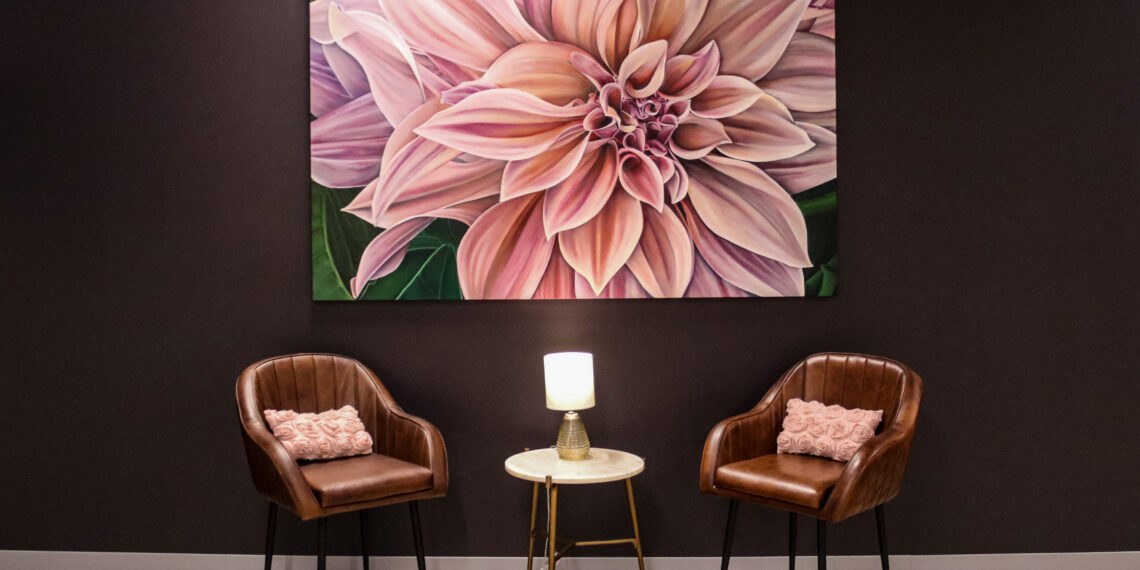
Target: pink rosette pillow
{"x":327,"y":435}
{"x":827,"y":431}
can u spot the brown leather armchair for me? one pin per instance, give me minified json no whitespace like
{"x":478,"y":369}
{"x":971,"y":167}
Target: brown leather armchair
{"x":740,"y":460}
{"x":409,"y":462}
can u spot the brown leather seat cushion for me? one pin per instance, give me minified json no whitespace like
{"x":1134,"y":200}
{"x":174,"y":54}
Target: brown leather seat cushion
{"x":364,"y":478}
{"x":799,"y":479}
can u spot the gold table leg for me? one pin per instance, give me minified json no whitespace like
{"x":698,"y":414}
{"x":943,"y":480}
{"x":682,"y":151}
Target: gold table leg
{"x":533,"y":519}
{"x":552,"y":538}
{"x":633,"y":516}
{"x":552,"y":526}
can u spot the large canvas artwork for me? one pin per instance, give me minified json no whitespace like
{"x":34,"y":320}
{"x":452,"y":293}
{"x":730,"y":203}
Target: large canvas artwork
{"x":572,"y":149}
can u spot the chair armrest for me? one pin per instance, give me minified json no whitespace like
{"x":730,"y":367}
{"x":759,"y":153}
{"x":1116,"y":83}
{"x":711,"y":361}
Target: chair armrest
{"x":873,"y":476}
{"x":415,"y":440}
{"x":275,"y":474}
{"x":738,"y":438}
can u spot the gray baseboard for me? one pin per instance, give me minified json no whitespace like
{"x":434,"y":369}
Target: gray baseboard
{"x":54,"y":560}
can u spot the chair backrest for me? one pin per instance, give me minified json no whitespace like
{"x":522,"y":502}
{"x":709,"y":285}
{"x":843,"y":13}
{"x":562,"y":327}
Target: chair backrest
{"x":852,"y":381}
{"x":313,"y":383}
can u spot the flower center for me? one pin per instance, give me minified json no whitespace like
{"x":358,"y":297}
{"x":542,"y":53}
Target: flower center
{"x":644,"y":124}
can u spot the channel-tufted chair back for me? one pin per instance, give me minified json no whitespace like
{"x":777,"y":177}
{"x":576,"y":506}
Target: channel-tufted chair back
{"x":319,"y":382}
{"x":851,"y":381}
{"x":740,"y":461}
{"x":316,"y":383}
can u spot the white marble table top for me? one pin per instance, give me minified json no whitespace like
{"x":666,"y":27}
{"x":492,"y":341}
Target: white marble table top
{"x":602,"y":466}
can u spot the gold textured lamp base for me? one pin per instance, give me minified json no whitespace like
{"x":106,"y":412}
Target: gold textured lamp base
{"x":573,"y":444}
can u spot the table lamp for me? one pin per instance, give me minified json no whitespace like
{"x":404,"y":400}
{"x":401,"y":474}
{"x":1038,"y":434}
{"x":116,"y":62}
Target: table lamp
{"x":570,"y":387}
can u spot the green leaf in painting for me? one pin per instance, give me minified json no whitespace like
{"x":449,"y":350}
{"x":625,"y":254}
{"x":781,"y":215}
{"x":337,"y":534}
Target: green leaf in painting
{"x":819,"y":206}
{"x":429,"y":269}
{"x":327,"y":284}
{"x":821,"y":281}
{"x":816,"y":205}
{"x":827,"y":287}
{"x":441,"y":232}
{"x":339,"y":240}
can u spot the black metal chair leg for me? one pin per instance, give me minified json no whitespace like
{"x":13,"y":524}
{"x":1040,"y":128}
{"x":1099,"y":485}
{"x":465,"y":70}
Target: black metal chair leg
{"x":791,"y":541}
{"x":417,"y":535}
{"x":322,"y":534}
{"x":364,"y":537}
{"x":881,"y":523}
{"x":821,"y":543}
{"x":270,"y":534}
{"x":728,"y":531}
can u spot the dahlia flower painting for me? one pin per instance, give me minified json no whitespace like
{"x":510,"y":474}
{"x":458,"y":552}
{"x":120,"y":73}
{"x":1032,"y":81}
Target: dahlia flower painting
{"x":572,"y":149}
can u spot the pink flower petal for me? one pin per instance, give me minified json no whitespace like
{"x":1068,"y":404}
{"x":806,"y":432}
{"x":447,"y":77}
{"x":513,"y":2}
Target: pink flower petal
{"x":584,"y":193}
{"x":543,"y":70}
{"x":600,"y":124}
{"x":678,"y":185}
{"x":688,"y":75}
{"x":764,"y":132}
{"x":589,"y":67}
{"x":825,"y":119}
{"x":507,"y":14}
{"x":558,"y":281}
{"x":810,"y":14}
{"x":346,"y":144}
{"x":348,"y":71}
{"x":575,"y":22}
{"x":620,"y":26}
{"x":740,"y":203}
{"x":601,"y":246}
{"x":464,"y":90}
{"x":392,"y":72}
{"x":643,"y":71}
{"x":450,"y":184}
{"x":665,"y":166}
{"x":706,"y":283}
{"x":450,"y":72}
{"x":466,"y":212}
{"x":326,"y":92}
{"x":335,"y":78}
{"x":505,"y":252}
{"x":407,"y":158}
{"x":674,"y":21}
{"x":319,"y":16}
{"x":537,"y":12}
{"x":725,"y":96}
{"x":546,"y":169}
{"x":804,"y":79}
{"x":385,"y":253}
{"x":819,"y":18}
{"x":361,"y":204}
{"x":752,"y":35}
{"x":663,"y":259}
{"x":504,"y":124}
{"x":696,"y":137}
{"x":679,"y":108}
{"x":610,"y":99}
{"x":753,"y":273}
{"x":824,"y":25}
{"x":468,"y":32}
{"x":622,"y":285}
{"x":432,"y":78}
{"x":640,"y":177}
{"x":809,"y":169}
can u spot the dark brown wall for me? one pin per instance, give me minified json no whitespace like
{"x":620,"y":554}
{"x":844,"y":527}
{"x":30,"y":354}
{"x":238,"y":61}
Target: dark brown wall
{"x":154,"y":240}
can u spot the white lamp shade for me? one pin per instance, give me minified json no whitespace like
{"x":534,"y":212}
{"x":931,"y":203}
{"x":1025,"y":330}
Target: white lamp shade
{"x":569,"y":380}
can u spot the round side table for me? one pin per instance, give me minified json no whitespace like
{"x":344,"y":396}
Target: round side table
{"x":543,"y":466}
